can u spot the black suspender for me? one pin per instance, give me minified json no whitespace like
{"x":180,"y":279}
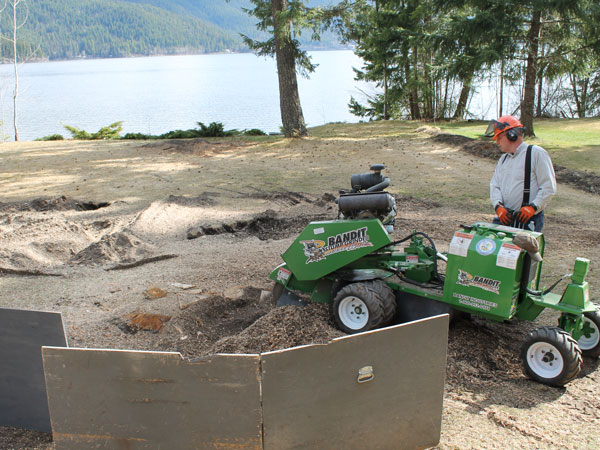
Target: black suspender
{"x":527,"y":179}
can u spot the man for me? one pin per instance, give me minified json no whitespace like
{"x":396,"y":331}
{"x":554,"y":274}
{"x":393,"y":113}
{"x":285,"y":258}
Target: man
{"x":514,"y":204}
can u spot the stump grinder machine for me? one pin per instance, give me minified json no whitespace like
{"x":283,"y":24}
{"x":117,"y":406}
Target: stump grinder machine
{"x":492,"y":271}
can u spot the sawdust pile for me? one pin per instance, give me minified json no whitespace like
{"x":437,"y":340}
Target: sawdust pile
{"x":120,"y":247}
{"x":281,"y":328}
{"x":245,"y":323}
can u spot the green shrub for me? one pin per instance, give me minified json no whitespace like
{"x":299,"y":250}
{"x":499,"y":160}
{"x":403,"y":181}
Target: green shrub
{"x":140,"y":136}
{"x":254,"y":132}
{"x":180,"y":134}
{"x":52,"y":137}
{"x":112,"y":131}
{"x":215,"y":129}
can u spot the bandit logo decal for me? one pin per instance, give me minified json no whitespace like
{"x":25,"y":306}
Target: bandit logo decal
{"x":487,"y":284}
{"x":317,"y":250}
{"x":314,"y":250}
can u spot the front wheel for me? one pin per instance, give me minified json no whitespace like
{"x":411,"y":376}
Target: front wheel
{"x":590,"y":345}
{"x":551,"y":356}
{"x":357,"y":308}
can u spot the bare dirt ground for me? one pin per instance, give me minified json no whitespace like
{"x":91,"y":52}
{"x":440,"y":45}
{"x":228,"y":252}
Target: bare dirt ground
{"x":168,"y":246}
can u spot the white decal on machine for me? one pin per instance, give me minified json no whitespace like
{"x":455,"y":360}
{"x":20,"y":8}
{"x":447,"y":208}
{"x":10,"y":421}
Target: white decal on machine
{"x":317,"y":250}
{"x":487,"y":284}
{"x":474,"y":302}
{"x":283,"y":274}
{"x":508,"y":256}
{"x":459,"y":245}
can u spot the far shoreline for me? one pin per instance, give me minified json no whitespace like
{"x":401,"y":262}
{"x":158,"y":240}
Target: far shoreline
{"x":222,"y":52}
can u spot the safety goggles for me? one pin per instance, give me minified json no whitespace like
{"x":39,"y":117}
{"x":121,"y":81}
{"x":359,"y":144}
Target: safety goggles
{"x":495,"y":125}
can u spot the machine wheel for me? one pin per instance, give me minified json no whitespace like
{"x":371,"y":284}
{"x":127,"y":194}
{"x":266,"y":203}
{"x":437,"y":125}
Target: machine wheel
{"x":357,"y":308}
{"x":551,"y":356}
{"x":388,"y":301}
{"x":590,"y":346}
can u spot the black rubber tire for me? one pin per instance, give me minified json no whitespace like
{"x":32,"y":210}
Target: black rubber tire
{"x":367,"y":294}
{"x":388,"y":301}
{"x":555,"y":339}
{"x":336,"y":286}
{"x":594,"y":351}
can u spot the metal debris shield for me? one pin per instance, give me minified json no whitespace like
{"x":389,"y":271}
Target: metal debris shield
{"x":382,"y":389}
{"x":23,"y":402}
{"x":114,"y":399}
{"x":377,"y":390}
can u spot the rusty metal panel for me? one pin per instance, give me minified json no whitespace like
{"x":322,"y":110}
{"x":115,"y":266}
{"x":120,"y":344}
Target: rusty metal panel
{"x":312,"y":397}
{"x":23,"y":402}
{"x":115,"y":399}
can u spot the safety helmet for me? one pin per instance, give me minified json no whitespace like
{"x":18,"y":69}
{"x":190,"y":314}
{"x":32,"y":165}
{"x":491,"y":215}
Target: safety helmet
{"x":501,"y":125}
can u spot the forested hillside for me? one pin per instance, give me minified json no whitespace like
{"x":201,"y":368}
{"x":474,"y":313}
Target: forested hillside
{"x":66,"y":29}
{"x":228,"y":15}
{"x":58,"y":29}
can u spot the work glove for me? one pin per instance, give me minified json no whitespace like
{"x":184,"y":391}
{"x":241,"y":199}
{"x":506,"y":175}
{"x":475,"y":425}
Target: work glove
{"x":526,"y":213}
{"x":503,"y":214}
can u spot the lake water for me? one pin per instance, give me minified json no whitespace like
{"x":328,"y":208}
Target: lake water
{"x":154,"y":95}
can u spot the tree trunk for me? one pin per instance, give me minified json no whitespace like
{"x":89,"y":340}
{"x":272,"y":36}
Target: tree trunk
{"x":445,"y":103}
{"x":464,"y":97}
{"x":538,"y":111}
{"x":289,"y":98}
{"x":531,"y":74}
{"x":16,"y":68}
{"x":414,"y":92}
{"x":575,"y":93}
{"x":540,"y":90}
{"x":386,"y":115}
{"x":501,"y":99}
{"x":428,"y":101}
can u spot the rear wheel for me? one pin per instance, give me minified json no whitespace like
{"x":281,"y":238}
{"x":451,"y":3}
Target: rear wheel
{"x":590,"y":345}
{"x":388,"y":301}
{"x":551,"y":356}
{"x":357,"y":308}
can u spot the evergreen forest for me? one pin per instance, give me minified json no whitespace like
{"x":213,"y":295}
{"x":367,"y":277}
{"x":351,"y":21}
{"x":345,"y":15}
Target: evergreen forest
{"x":67,"y":29}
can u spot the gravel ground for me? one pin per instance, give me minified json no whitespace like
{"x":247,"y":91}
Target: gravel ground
{"x":183,"y":266}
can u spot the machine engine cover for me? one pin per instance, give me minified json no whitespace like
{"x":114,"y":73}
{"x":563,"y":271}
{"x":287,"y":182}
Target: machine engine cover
{"x":324,"y":247}
{"x":377,"y":202}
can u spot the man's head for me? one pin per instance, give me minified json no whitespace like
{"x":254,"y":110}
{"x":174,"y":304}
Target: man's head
{"x":507,"y":131}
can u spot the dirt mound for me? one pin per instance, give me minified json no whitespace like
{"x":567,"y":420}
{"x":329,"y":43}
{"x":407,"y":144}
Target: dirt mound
{"x":280,"y":328}
{"x":409,"y":202}
{"x":197,"y":146}
{"x":265,"y":226}
{"x":120,"y":247}
{"x":294,"y":198}
{"x":581,"y":180}
{"x":245,"y":322}
{"x":195,"y":330}
{"x":204,"y":199}
{"x":61,"y":203}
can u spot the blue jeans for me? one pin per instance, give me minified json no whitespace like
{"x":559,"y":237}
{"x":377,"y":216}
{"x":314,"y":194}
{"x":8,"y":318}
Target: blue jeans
{"x":535,"y":224}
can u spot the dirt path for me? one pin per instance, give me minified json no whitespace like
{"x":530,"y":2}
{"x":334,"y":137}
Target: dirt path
{"x":188,"y":231}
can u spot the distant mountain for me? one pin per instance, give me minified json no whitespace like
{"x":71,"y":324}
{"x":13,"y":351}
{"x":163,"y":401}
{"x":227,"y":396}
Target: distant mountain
{"x":59,"y":29}
{"x":67,"y":29}
{"x":227,"y":15}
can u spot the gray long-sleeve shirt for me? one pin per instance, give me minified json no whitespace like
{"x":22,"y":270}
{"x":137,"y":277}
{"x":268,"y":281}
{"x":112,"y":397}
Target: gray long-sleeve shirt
{"x":507,"y":183}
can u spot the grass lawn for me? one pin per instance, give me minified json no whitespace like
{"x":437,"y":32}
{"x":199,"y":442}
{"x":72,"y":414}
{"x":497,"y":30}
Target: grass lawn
{"x":572,"y":143}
